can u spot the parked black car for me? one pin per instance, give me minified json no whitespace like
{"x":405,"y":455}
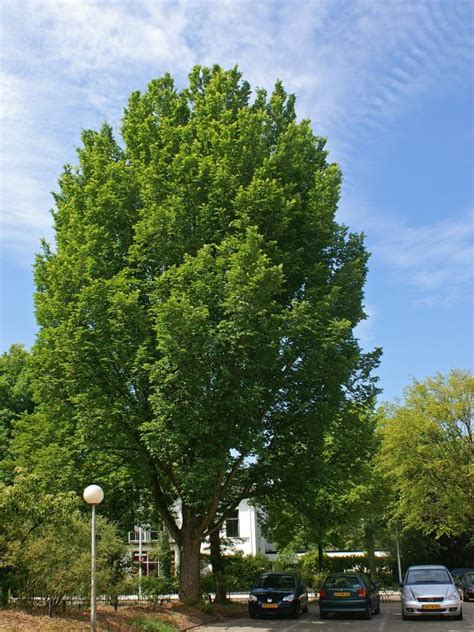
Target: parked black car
{"x":467,"y":586}
{"x":349,"y":592}
{"x":278,"y":593}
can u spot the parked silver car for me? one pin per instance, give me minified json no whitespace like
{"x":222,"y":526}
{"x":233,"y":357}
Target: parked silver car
{"x":428,"y":591}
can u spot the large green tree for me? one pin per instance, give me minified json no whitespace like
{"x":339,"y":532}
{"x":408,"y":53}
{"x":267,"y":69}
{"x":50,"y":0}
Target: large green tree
{"x":197,"y":312}
{"x":427,"y":455}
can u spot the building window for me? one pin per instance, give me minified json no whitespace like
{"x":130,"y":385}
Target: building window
{"x":232,"y":525}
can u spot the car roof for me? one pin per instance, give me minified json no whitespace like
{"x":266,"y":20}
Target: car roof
{"x":276,"y":573}
{"x":342,"y":573}
{"x":426,"y":566}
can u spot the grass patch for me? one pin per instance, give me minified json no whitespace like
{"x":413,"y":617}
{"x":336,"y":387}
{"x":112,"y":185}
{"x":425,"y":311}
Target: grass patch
{"x":152,"y":625}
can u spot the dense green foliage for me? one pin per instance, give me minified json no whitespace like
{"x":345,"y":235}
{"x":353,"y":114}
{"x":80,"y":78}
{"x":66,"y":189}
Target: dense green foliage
{"x":333,"y":490}
{"x":15,"y":400}
{"x":197,"y":313}
{"x":241,"y":572}
{"x":308,"y":568}
{"x":45,"y":545}
{"x":427,"y":455}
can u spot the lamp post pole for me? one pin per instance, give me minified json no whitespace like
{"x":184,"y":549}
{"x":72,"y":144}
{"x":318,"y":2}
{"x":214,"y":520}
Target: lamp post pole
{"x":93,"y":495}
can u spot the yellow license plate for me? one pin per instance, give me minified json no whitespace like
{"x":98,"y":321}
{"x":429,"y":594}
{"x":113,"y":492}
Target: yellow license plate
{"x":270,"y":605}
{"x":430,"y":606}
{"x":342,"y":594}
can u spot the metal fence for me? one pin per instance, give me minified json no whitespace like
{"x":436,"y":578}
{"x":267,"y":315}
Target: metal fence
{"x":82,"y":603}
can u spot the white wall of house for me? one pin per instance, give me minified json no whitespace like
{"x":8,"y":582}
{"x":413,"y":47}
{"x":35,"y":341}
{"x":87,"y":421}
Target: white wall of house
{"x":245,"y":536}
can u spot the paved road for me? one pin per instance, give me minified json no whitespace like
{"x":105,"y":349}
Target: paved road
{"x":389,"y":620}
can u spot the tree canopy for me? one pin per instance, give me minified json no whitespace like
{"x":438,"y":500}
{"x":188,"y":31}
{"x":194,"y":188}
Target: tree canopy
{"x":197,"y":312}
{"x":427,"y":455}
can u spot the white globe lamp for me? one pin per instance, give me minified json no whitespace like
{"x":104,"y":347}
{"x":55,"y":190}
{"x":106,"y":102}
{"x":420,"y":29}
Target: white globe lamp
{"x":93,"y":495}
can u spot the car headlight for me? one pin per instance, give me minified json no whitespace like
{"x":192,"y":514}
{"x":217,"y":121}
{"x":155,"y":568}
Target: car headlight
{"x":288,"y":597}
{"x":252,"y":598}
{"x":408,"y":594}
{"x":453,"y":595}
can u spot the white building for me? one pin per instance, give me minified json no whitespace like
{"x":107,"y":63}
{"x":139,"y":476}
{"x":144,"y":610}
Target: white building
{"x":241,"y":532}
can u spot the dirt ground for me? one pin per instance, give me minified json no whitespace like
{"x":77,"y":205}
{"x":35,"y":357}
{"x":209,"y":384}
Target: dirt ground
{"x":181,"y":617}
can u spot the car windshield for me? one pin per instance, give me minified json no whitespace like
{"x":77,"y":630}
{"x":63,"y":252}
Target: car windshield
{"x":343,"y":581}
{"x":279,"y":582}
{"x":469,"y":579}
{"x":428,"y":576}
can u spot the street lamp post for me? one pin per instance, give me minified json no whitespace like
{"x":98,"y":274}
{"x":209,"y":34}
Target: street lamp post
{"x":93,"y":495}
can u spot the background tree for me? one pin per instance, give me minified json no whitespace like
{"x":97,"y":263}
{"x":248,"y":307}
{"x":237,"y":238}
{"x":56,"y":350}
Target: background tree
{"x":197,"y":314}
{"x":427,"y":455}
{"x":333,"y":489}
{"x":15,"y":401}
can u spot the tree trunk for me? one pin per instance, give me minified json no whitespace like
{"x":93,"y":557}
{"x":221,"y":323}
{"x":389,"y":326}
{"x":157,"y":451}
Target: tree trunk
{"x":370,"y":546}
{"x":218,"y":568}
{"x":189,"y":568}
{"x":320,"y":556}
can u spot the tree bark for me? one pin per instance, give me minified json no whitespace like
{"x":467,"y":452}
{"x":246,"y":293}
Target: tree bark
{"x":320,"y":556}
{"x":370,"y":546}
{"x":218,"y":567}
{"x":189,"y":568}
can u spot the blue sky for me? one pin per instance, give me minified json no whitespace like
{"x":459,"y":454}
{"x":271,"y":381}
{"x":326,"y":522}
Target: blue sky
{"x":389,"y":83}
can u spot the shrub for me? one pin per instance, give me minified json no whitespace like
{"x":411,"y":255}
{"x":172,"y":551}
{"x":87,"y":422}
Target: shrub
{"x":243,"y":570}
{"x":156,"y":586}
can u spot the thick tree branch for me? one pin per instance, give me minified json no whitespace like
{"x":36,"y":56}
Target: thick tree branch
{"x":162,"y":505}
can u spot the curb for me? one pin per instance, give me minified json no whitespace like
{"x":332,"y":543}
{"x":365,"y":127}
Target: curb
{"x":198,"y":625}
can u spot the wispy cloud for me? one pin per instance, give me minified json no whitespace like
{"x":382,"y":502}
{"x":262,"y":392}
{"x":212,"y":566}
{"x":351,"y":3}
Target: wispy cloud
{"x":437,"y":260}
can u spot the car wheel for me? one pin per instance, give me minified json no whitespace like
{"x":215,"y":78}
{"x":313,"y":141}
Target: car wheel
{"x":323,"y":615}
{"x":377,"y":609}
{"x":305,"y":609}
{"x":252,"y":615}
{"x":459,"y":616}
{"x":368,"y":613}
{"x":405,"y":617}
{"x":296,"y":610}
{"x":465,"y":597}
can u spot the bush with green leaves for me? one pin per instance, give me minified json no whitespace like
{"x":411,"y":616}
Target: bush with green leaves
{"x":313,"y":577}
{"x":158,"y":586}
{"x":45,"y":545}
{"x":242,"y":570}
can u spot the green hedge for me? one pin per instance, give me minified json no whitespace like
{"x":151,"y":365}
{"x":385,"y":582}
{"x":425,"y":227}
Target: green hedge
{"x":243,"y":570}
{"x":309,"y":568}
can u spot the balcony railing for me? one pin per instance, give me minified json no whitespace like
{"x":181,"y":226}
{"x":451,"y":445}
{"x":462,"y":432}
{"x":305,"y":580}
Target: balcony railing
{"x":147,"y":536}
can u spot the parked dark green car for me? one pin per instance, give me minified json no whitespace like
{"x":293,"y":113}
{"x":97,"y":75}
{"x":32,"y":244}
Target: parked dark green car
{"x":349,"y":592}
